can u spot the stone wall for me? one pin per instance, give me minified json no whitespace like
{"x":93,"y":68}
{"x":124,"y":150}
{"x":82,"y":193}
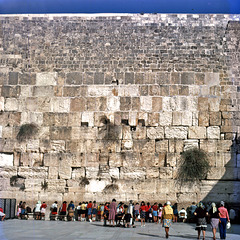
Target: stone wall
{"x":116,"y":99}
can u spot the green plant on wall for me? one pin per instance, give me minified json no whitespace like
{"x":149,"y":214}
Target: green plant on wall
{"x":44,"y":185}
{"x":84,"y":181}
{"x":194,"y":166}
{"x":27,"y":131}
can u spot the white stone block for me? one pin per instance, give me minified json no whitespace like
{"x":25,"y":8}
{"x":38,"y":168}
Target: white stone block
{"x":190,"y":144}
{"x":100,"y":91}
{"x":133,"y":118}
{"x":169,"y":104}
{"x":176,"y":132}
{"x":11,"y":104}
{"x":96,"y":186}
{"x":197,"y":132}
{"x":212,"y":79}
{"x":89,"y":118}
{"x":165,"y":118}
{"x":113,"y":103}
{"x":155,"y":132}
{"x":128,"y":91}
{"x":187,"y":118}
{"x":213,"y":132}
{"x":1,"y":104}
{"x":60,"y":105}
{"x":32,"y":117}
{"x":6,"y":159}
{"x":192,"y":104}
{"x":146,"y":103}
{"x":46,"y":78}
{"x":114,"y":173}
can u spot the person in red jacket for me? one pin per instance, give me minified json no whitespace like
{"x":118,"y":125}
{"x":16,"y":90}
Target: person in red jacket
{"x":155,"y":212}
{"x":89,"y":207}
{"x":143,"y":209}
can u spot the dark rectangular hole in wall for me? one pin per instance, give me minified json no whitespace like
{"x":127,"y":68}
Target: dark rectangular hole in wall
{"x":141,"y":122}
{"x":133,"y":128}
{"x":84,"y":124}
{"x":125,"y":121}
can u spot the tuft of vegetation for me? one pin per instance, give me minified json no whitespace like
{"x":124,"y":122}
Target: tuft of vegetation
{"x":13,"y":180}
{"x":44,"y":185}
{"x":84,"y":181}
{"x":22,"y":188}
{"x":27,"y":131}
{"x":194,"y":166}
{"x":111,"y":188}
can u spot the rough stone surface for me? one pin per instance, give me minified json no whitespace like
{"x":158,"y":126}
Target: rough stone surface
{"x":116,"y":99}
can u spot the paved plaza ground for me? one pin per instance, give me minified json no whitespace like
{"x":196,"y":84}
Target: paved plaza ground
{"x":58,"y":230}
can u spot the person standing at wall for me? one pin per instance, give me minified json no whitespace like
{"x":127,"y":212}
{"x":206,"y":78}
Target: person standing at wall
{"x":143,"y":213}
{"x":167,"y":216}
{"x":112,"y":213}
{"x":224,"y":217}
{"x":201,"y":214}
{"x":214,"y":219}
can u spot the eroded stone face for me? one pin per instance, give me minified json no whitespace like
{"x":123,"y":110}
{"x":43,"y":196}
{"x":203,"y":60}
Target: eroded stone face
{"x":116,"y":111}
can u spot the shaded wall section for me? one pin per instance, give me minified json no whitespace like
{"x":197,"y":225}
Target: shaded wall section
{"x":116,"y":99}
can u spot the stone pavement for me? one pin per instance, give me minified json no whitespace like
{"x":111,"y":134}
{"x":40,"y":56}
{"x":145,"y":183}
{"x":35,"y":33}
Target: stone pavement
{"x":57,"y":230}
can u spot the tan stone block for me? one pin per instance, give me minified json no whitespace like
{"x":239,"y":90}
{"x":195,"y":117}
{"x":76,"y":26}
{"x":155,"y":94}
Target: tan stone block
{"x":224,"y":146}
{"x":57,"y":133}
{"x":162,"y":146}
{"x":166,"y":172}
{"x":11,"y":104}
{"x":56,"y":185}
{"x":196,"y":132}
{"x":215,"y":118}
{"x":213,"y":132}
{"x":8,"y":172}
{"x":43,"y":91}
{"x":101,"y":104}
{"x":78,"y":104}
{"x":1,"y":104}
{"x":6,"y":132}
{"x":165,"y":118}
{"x":152,"y":172}
{"x":60,"y":104}
{"x":33,"y":172}
{"x":92,"y":172}
{"x":153,"y":119}
{"x":156,"y":104}
{"x":53,"y":173}
{"x":58,"y":91}
{"x":176,"y":132}
{"x":43,"y":104}
{"x":113,"y":103}
{"x":144,"y":145}
{"x":212,"y":79}
{"x":126,"y":132}
{"x":186,"y":118}
{"x":208,"y":145}
{"x":214,"y":104}
{"x":51,"y":159}
{"x":33,"y":145}
{"x":136,"y":105}
{"x":216,"y":173}
{"x":177,"y":118}
{"x":173,"y":90}
{"x":140,"y":133}
{"x":203,"y":118}
{"x":129,"y":173}
{"x":31,"y":159}
{"x":202,"y":104}
{"x":187,"y":197}
{"x":171,"y":159}
{"x":115,"y":160}
{"x":78,"y":173}
{"x":155,"y":132}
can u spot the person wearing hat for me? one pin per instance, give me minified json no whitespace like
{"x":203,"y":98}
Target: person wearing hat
{"x":224,"y":217}
{"x":167,"y":216}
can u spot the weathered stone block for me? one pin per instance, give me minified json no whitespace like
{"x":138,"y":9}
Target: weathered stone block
{"x":13,"y":78}
{"x":42,"y":91}
{"x":113,"y":103}
{"x":175,"y":78}
{"x":139,"y":133}
{"x":199,"y":78}
{"x":189,"y":144}
{"x":6,"y":159}
{"x":196,"y":132}
{"x":130,"y":173}
{"x":46,"y":78}
{"x":129,"y":78}
{"x":212,"y":79}
{"x":187,"y":78}
{"x":98,"y":78}
{"x":11,"y":104}
{"x":74,"y":78}
{"x":60,"y":105}
{"x":8,"y":171}
{"x":146,"y":103}
{"x":213,"y":132}
{"x":156,"y":104}
{"x":165,"y":118}
{"x":166,"y":172}
{"x":27,"y":79}
{"x":57,"y":133}
{"x":177,"y":118}
{"x":214,"y":104}
{"x":162,"y":146}
{"x":33,"y":172}
{"x":152,"y":172}
{"x":1,"y":104}
{"x":78,"y":104}
{"x":203,"y":118}
{"x":176,"y":132}
{"x":78,"y":173}
{"x":215,"y":119}
{"x":202,"y":104}
{"x":155,"y":132}
{"x":92,"y":172}
{"x":125,"y":103}
{"x":88,"y":117}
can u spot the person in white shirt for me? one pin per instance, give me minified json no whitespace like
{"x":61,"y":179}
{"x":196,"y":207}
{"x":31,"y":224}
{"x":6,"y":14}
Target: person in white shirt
{"x":182,"y":215}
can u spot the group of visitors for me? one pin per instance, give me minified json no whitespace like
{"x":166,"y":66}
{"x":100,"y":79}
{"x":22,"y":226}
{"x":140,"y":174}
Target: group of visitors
{"x":126,"y":214}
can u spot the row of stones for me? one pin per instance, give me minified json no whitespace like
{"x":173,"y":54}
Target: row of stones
{"x":100,"y":78}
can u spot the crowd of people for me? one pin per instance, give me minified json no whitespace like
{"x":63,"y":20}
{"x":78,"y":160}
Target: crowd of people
{"x":126,"y":214}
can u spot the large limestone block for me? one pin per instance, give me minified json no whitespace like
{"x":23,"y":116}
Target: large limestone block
{"x":5,"y":185}
{"x":203,"y":117}
{"x":165,"y":118}
{"x":146,"y":103}
{"x":8,"y":171}
{"x":6,"y":159}
{"x":213,"y":132}
{"x":139,"y":133}
{"x":43,"y":91}
{"x":113,"y":103}
{"x":162,"y":146}
{"x":153,"y":119}
{"x":128,"y":91}
{"x":26,"y":91}
{"x":52,"y":172}
{"x":114,"y":173}
{"x":133,"y":118}
{"x":177,"y":118}
{"x":100,"y":91}
{"x":89,"y":118}
{"x":60,"y":105}
{"x":196,"y":132}
{"x":33,"y":145}
{"x":186,"y":118}
{"x":155,"y":132}
{"x":31,"y":159}
{"x":92,"y":172}
{"x":32,"y":117}
{"x":56,"y":185}
{"x":65,"y":170}
{"x":152,"y":172}
{"x":131,"y":159}
{"x":129,"y":173}
{"x":116,"y":160}
{"x":11,"y":104}
{"x":46,"y":78}
{"x":171,"y":159}
{"x":215,"y":119}
{"x":52,"y":159}
{"x":190,"y":144}
{"x":209,"y":145}
{"x":214,"y":104}
{"x":78,"y":104}
{"x":63,"y":133}
{"x":212,"y":79}
{"x":187,"y":197}
{"x":33,"y":172}
{"x":35,"y":184}
{"x":96,"y":186}
{"x":156,"y":104}
{"x":176,"y":132}
{"x":78,"y":173}
{"x":57,"y":145}
{"x":166,"y":172}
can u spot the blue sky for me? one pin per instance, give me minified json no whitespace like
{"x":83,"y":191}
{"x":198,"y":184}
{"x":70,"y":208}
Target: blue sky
{"x":119,"y":6}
